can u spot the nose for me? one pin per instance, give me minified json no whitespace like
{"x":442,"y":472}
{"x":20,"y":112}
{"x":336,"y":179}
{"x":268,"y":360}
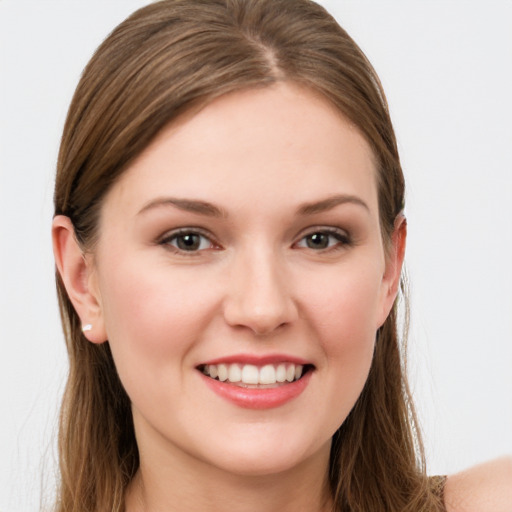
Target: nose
{"x":259,"y":294}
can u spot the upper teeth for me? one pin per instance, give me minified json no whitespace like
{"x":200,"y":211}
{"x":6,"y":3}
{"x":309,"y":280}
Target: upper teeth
{"x":252,"y":374}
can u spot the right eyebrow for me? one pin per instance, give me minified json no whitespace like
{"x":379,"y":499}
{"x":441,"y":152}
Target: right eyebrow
{"x":188,"y":205}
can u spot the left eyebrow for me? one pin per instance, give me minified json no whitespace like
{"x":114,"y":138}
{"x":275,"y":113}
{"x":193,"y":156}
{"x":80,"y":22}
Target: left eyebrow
{"x":329,"y":203}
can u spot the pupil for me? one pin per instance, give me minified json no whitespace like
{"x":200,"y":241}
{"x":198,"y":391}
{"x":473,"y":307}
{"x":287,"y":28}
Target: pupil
{"x":318,"y":241}
{"x":188,"y":242}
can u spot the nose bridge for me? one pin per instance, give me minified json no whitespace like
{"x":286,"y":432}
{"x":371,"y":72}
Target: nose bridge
{"x":259,"y":295}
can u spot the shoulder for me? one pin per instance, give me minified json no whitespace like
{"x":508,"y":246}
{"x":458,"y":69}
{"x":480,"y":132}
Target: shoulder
{"x":483,"y":488}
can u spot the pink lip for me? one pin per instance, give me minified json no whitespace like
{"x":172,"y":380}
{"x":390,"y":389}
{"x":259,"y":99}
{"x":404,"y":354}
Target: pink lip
{"x":258,"y":360}
{"x":258,"y":398}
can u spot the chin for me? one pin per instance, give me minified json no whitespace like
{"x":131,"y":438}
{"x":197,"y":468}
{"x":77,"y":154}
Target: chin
{"x":269,"y":455}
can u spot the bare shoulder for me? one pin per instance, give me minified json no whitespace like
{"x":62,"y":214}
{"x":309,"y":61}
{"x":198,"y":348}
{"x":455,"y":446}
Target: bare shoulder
{"x":483,"y":488}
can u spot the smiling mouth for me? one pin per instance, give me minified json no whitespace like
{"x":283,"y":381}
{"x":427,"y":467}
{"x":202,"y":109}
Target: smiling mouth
{"x":253,"y":376}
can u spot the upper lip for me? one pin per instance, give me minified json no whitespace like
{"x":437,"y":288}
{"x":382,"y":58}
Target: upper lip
{"x":257,"y":360}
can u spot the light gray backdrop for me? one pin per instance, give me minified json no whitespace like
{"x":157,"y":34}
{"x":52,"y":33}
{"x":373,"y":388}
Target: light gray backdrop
{"x":447,"y":70}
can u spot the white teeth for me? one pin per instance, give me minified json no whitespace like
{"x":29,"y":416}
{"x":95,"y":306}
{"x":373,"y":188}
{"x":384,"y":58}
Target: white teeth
{"x":251,"y":374}
{"x":267,"y":375}
{"x":222,"y":372}
{"x":234,"y":373}
{"x":281,"y":373}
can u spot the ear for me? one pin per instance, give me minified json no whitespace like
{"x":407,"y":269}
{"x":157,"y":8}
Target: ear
{"x":77,"y":273}
{"x":393,"y":270}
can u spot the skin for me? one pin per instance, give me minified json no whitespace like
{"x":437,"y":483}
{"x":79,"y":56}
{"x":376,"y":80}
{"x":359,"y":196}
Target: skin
{"x":270,"y":161}
{"x":483,"y":488}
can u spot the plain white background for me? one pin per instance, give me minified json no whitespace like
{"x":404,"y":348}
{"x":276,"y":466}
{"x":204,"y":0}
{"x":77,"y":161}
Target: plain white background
{"x":446,"y":67}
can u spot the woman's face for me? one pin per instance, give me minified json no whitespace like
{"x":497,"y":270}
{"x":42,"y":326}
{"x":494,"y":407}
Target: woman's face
{"x":244,"y":243}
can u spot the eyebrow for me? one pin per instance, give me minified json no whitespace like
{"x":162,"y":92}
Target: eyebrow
{"x":188,"y":205}
{"x":329,"y":203}
{"x":211,"y":210}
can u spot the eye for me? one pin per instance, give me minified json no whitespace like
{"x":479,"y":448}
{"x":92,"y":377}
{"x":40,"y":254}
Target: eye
{"x":187,"y":240}
{"x":324,"y":239}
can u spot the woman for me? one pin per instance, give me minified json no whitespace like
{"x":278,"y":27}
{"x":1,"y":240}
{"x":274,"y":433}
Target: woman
{"x":229,"y":238}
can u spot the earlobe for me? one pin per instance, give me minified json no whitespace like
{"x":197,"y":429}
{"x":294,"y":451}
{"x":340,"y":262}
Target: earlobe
{"x":77,"y":274}
{"x":394,"y":262}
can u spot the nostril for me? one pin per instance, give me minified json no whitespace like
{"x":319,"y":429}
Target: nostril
{"x":264,"y":328}
{"x":260,"y":322}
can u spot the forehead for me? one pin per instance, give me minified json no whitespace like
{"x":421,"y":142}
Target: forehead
{"x":281,"y":144}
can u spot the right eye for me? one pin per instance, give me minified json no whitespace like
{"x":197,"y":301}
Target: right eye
{"x":187,"y":241}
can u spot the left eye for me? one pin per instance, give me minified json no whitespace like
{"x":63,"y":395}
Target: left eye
{"x":323,"y":240}
{"x":188,"y":241}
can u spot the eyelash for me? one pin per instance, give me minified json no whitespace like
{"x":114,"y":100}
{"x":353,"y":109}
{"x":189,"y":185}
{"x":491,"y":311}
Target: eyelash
{"x":168,"y":238}
{"x":342,"y":239}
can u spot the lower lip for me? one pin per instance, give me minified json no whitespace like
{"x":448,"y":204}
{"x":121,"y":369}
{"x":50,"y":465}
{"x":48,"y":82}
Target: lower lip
{"x":259,"y":398}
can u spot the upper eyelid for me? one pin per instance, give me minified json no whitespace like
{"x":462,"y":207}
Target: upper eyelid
{"x":166,"y":239}
{"x":322,"y":229}
{"x":342,"y":237}
{"x":184,"y":231}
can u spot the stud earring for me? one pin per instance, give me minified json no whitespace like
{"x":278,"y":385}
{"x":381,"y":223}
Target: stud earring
{"x":86,"y":327}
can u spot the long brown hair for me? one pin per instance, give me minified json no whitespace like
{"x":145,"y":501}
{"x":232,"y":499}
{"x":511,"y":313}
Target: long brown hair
{"x":166,"y":59}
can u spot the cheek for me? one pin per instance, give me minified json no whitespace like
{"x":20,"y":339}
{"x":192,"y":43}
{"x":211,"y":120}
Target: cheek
{"x":346,"y":307}
{"x":153,"y":319}
{"x":349,"y":333}
{"x":344,"y":313}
